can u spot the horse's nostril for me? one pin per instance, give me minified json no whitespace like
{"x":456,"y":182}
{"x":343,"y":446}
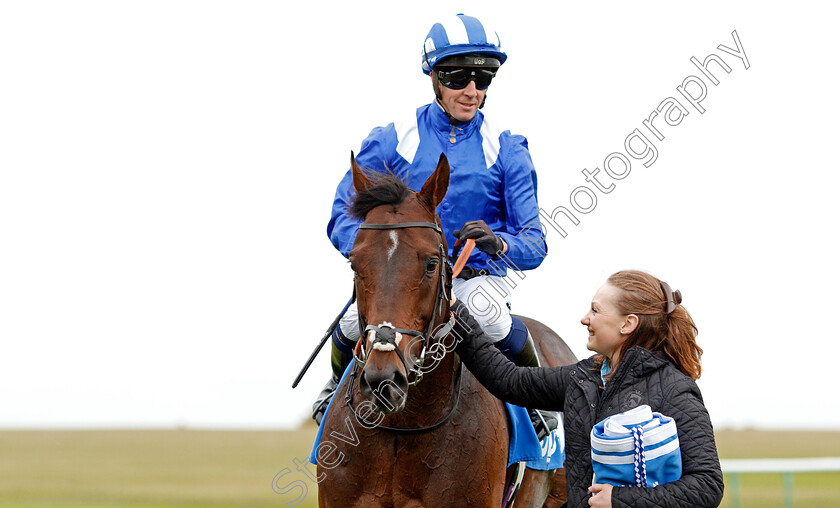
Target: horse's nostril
{"x":388,"y":388}
{"x":364,"y":385}
{"x":375,"y":380}
{"x":372,"y":382}
{"x":394,"y":388}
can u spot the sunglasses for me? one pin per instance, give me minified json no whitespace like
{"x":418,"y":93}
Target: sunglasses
{"x":459,"y":78}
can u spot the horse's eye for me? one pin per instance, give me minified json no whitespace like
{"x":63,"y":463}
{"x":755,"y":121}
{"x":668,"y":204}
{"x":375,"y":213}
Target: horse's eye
{"x":431,"y":266}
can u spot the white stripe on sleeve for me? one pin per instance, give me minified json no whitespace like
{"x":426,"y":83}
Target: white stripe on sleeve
{"x":408,"y":138}
{"x":489,"y":142}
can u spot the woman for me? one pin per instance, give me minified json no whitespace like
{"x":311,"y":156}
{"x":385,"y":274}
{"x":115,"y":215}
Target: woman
{"x":646,"y":353}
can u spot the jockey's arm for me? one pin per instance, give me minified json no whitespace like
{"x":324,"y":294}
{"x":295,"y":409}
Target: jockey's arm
{"x":374,"y":156}
{"x":525,"y":245}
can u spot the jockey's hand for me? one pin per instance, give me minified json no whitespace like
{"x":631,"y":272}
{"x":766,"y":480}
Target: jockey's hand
{"x":486,"y":241}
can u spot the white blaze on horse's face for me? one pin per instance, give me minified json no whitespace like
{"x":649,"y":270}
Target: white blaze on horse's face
{"x":394,"y":243}
{"x":384,"y":347}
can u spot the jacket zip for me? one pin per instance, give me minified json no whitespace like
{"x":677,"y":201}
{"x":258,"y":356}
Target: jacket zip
{"x":614,"y":383}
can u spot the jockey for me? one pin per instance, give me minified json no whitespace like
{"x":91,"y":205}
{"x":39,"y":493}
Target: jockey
{"x":492,"y":196}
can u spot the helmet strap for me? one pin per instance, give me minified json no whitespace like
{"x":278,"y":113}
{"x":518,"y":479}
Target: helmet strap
{"x":436,"y":86}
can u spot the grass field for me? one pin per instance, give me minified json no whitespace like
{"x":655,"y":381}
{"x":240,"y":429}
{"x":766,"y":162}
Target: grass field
{"x":192,"y":468}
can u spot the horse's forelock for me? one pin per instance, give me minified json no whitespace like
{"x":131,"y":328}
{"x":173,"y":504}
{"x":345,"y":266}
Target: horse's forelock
{"x":386,"y":190}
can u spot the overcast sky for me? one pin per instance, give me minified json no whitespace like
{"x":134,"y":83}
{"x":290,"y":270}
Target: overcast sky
{"x":167,"y":171}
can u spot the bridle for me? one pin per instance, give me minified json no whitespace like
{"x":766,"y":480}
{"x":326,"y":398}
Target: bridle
{"x":385,"y":335}
{"x":431,"y":338}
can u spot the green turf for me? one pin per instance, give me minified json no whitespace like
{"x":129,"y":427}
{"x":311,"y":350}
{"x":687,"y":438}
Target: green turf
{"x":142,"y":469}
{"x":192,"y":468}
{"x":814,"y":490}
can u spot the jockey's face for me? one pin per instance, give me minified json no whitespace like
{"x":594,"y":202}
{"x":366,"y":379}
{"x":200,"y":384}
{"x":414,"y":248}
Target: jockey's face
{"x":462,"y":104}
{"x":605,"y":323}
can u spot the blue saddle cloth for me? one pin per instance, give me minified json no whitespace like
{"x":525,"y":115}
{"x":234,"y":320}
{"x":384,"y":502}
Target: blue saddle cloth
{"x":524,"y":445}
{"x":546,"y":455}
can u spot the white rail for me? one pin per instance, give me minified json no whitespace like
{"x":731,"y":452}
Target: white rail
{"x":736,"y":467}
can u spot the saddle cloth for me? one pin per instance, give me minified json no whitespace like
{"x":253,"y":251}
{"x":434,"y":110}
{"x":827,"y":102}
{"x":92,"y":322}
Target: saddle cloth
{"x":524,"y":446}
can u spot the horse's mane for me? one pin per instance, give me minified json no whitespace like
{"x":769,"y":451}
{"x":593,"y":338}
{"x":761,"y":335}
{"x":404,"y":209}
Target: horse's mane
{"x":387,"y":189}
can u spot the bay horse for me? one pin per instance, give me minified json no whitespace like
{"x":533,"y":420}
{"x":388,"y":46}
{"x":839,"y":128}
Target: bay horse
{"x":409,"y":427}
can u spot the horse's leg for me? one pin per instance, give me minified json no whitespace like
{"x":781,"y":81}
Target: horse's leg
{"x":557,"y":496}
{"x":360,"y":463}
{"x":461,"y":465}
{"x":353,"y":497}
{"x":542,"y":489}
{"x":360,"y":502}
{"x":536,"y":486}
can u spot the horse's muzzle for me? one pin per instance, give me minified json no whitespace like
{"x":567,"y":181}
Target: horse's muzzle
{"x":386,"y":385}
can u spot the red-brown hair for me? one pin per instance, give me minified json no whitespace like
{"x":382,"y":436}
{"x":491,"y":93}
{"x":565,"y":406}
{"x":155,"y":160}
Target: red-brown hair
{"x":672,"y":334}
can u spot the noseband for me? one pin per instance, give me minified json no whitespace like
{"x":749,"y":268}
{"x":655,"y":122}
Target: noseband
{"x":385,"y":335}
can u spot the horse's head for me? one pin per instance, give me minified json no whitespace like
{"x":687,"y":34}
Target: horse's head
{"x":401,"y":276}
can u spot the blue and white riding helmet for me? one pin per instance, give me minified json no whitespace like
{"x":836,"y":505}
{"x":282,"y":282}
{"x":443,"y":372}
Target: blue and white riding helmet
{"x":461,"y":35}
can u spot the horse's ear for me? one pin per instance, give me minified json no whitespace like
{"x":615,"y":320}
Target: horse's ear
{"x":360,"y":180}
{"x":434,"y":190}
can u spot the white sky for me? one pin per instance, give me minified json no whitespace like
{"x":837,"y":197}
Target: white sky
{"x":167,"y":170}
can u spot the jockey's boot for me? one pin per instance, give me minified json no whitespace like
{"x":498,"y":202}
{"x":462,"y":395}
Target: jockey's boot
{"x":526,"y":356}
{"x":324,"y":398}
{"x":342,"y":353}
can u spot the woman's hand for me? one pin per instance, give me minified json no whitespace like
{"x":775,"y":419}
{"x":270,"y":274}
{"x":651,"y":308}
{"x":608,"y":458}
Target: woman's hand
{"x":602,"y":497}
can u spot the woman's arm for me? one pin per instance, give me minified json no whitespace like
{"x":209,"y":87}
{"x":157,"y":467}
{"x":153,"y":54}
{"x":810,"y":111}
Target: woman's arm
{"x":701,"y":484}
{"x":532,"y":387}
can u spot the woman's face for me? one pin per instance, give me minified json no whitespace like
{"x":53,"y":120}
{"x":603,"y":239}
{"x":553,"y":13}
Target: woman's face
{"x":605,"y":322}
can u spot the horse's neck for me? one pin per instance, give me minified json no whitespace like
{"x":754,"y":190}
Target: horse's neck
{"x":432,"y":398}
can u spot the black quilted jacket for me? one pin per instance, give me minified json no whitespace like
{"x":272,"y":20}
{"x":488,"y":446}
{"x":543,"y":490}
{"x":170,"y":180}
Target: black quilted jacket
{"x":641,"y":378}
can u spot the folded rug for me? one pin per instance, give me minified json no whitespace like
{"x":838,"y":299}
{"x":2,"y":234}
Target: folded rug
{"x":636,"y":448}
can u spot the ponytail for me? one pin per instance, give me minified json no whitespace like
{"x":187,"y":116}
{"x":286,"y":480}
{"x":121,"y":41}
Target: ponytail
{"x":682,"y":348}
{"x":665,"y":326}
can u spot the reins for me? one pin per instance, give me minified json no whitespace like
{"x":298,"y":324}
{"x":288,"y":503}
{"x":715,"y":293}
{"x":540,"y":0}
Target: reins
{"x":348,"y":398}
{"x":461,"y":262}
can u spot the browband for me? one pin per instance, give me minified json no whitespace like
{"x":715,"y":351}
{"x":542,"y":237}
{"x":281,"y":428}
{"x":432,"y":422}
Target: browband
{"x":402,"y":225}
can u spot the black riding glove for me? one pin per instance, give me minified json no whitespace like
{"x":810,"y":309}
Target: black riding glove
{"x":485,"y":239}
